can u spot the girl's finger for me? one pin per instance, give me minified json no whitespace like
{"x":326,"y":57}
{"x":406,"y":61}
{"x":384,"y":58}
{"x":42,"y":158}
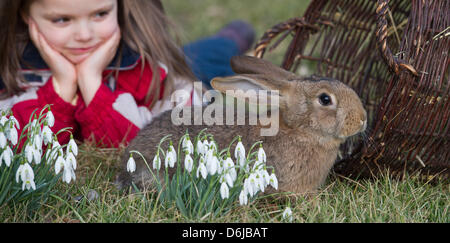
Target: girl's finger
{"x":109,"y":47}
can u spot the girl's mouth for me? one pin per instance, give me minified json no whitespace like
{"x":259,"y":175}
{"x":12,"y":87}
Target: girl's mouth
{"x":80,"y":51}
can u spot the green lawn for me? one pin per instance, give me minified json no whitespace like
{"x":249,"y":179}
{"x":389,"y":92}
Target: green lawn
{"x":339,"y":200}
{"x":198,"y":19}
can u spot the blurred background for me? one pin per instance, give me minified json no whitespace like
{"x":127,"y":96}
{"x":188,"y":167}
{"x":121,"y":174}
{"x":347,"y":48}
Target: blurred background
{"x":201,"y":18}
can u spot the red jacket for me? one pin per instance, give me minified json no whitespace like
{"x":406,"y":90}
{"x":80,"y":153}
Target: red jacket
{"x":115,"y":115}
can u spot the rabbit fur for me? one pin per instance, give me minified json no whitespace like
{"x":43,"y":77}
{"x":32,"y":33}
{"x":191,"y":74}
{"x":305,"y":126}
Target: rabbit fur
{"x":310,"y":133}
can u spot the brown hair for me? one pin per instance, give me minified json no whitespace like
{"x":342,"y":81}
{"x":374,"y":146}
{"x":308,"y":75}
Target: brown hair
{"x":144,"y":27}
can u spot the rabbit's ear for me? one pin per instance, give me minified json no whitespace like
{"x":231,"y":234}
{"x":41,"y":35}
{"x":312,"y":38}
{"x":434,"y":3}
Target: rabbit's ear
{"x":254,"y":65}
{"x":238,"y":85}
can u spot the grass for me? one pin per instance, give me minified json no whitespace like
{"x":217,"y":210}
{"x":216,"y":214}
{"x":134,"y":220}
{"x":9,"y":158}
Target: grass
{"x":198,"y":19}
{"x":339,"y":200}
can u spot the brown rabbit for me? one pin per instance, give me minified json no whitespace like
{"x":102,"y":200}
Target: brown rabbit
{"x":315,"y":117}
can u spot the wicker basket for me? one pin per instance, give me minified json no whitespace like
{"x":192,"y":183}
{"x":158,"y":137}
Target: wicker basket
{"x":395,"y":54}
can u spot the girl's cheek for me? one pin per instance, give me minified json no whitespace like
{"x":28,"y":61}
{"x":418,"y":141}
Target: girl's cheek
{"x":106,"y":34}
{"x":107,"y":28}
{"x":57,"y":39}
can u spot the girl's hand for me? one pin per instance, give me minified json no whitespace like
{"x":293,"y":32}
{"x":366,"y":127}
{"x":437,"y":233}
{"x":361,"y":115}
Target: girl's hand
{"x":89,"y":72}
{"x":63,"y":71}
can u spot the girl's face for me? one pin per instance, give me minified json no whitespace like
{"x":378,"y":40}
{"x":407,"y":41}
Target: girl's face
{"x":75,"y":28}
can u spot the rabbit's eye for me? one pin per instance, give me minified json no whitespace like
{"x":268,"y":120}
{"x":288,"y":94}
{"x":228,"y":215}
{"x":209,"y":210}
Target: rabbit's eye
{"x":325,"y":99}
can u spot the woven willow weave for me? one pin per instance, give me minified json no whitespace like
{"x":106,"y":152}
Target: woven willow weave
{"x":395,"y":54}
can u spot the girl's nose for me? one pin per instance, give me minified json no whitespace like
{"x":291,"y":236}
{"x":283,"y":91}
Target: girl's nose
{"x":83,"y":32}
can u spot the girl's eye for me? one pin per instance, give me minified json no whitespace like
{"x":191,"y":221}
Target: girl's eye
{"x":101,"y":14}
{"x":60,"y":20}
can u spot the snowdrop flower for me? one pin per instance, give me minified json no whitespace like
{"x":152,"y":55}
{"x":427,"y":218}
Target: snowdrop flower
{"x":34,"y":122}
{"x":273,"y":181}
{"x":202,"y":169}
{"x":258,"y":166}
{"x":212,"y":163}
{"x":3,"y":119}
{"x":156,"y":162}
{"x":67,"y":176}
{"x":60,"y":162}
{"x":201,"y":148}
{"x":47,"y":134}
{"x":12,"y":135}
{"x":227,"y":178}
{"x":253,"y":184}
{"x":264,"y":177}
{"x":228,"y":166}
{"x":260,"y":182}
{"x":243,"y":199}
{"x":212,"y":145}
{"x":131,"y":164}
{"x":72,"y":146}
{"x":248,"y":189}
{"x":187,"y":145}
{"x":29,"y":184}
{"x":171,"y":157}
{"x":224,"y":191}
{"x":26,"y":173}
{"x":287,"y":214}
{"x":6,"y":156}
{"x":71,"y":161}
{"x":2,"y":140}
{"x":19,"y":172}
{"x":261,"y":154}
{"x":50,"y":118}
{"x":37,"y":142}
{"x":188,"y":162}
{"x":68,"y":173}
{"x":13,"y":122}
{"x":56,"y":144}
{"x":219,"y":166}
{"x":36,"y":155}
{"x":29,"y":153}
{"x":239,"y":153}
{"x":54,"y":152}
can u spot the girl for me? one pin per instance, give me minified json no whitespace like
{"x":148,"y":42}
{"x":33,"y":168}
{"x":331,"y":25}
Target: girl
{"x":106,"y":66}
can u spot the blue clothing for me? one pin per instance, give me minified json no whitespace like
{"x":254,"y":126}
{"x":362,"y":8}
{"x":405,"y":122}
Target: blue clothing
{"x":210,"y":57}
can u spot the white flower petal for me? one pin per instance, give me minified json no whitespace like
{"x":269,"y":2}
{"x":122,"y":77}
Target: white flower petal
{"x":224,"y":191}
{"x":200,"y":147}
{"x":70,"y":158}
{"x":261,"y":155}
{"x":156,"y":162}
{"x":188,"y":163}
{"x":2,"y":140}
{"x":287,"y":214}
{"x":273,"y":181}
{"x":13,"y":136}
{"x":47,"y":135}
{"x":67,"y":175}
{"x":60,"y":162}
{"x":72,"y":146}
{"x":19,"y":172}
{"x":131,"y":165}
{"x":229,"y":180}
{"x":239,"y":152}
{"x":50,"y":118}
{"x":202,"y":170}
{"x":243,"y":199}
